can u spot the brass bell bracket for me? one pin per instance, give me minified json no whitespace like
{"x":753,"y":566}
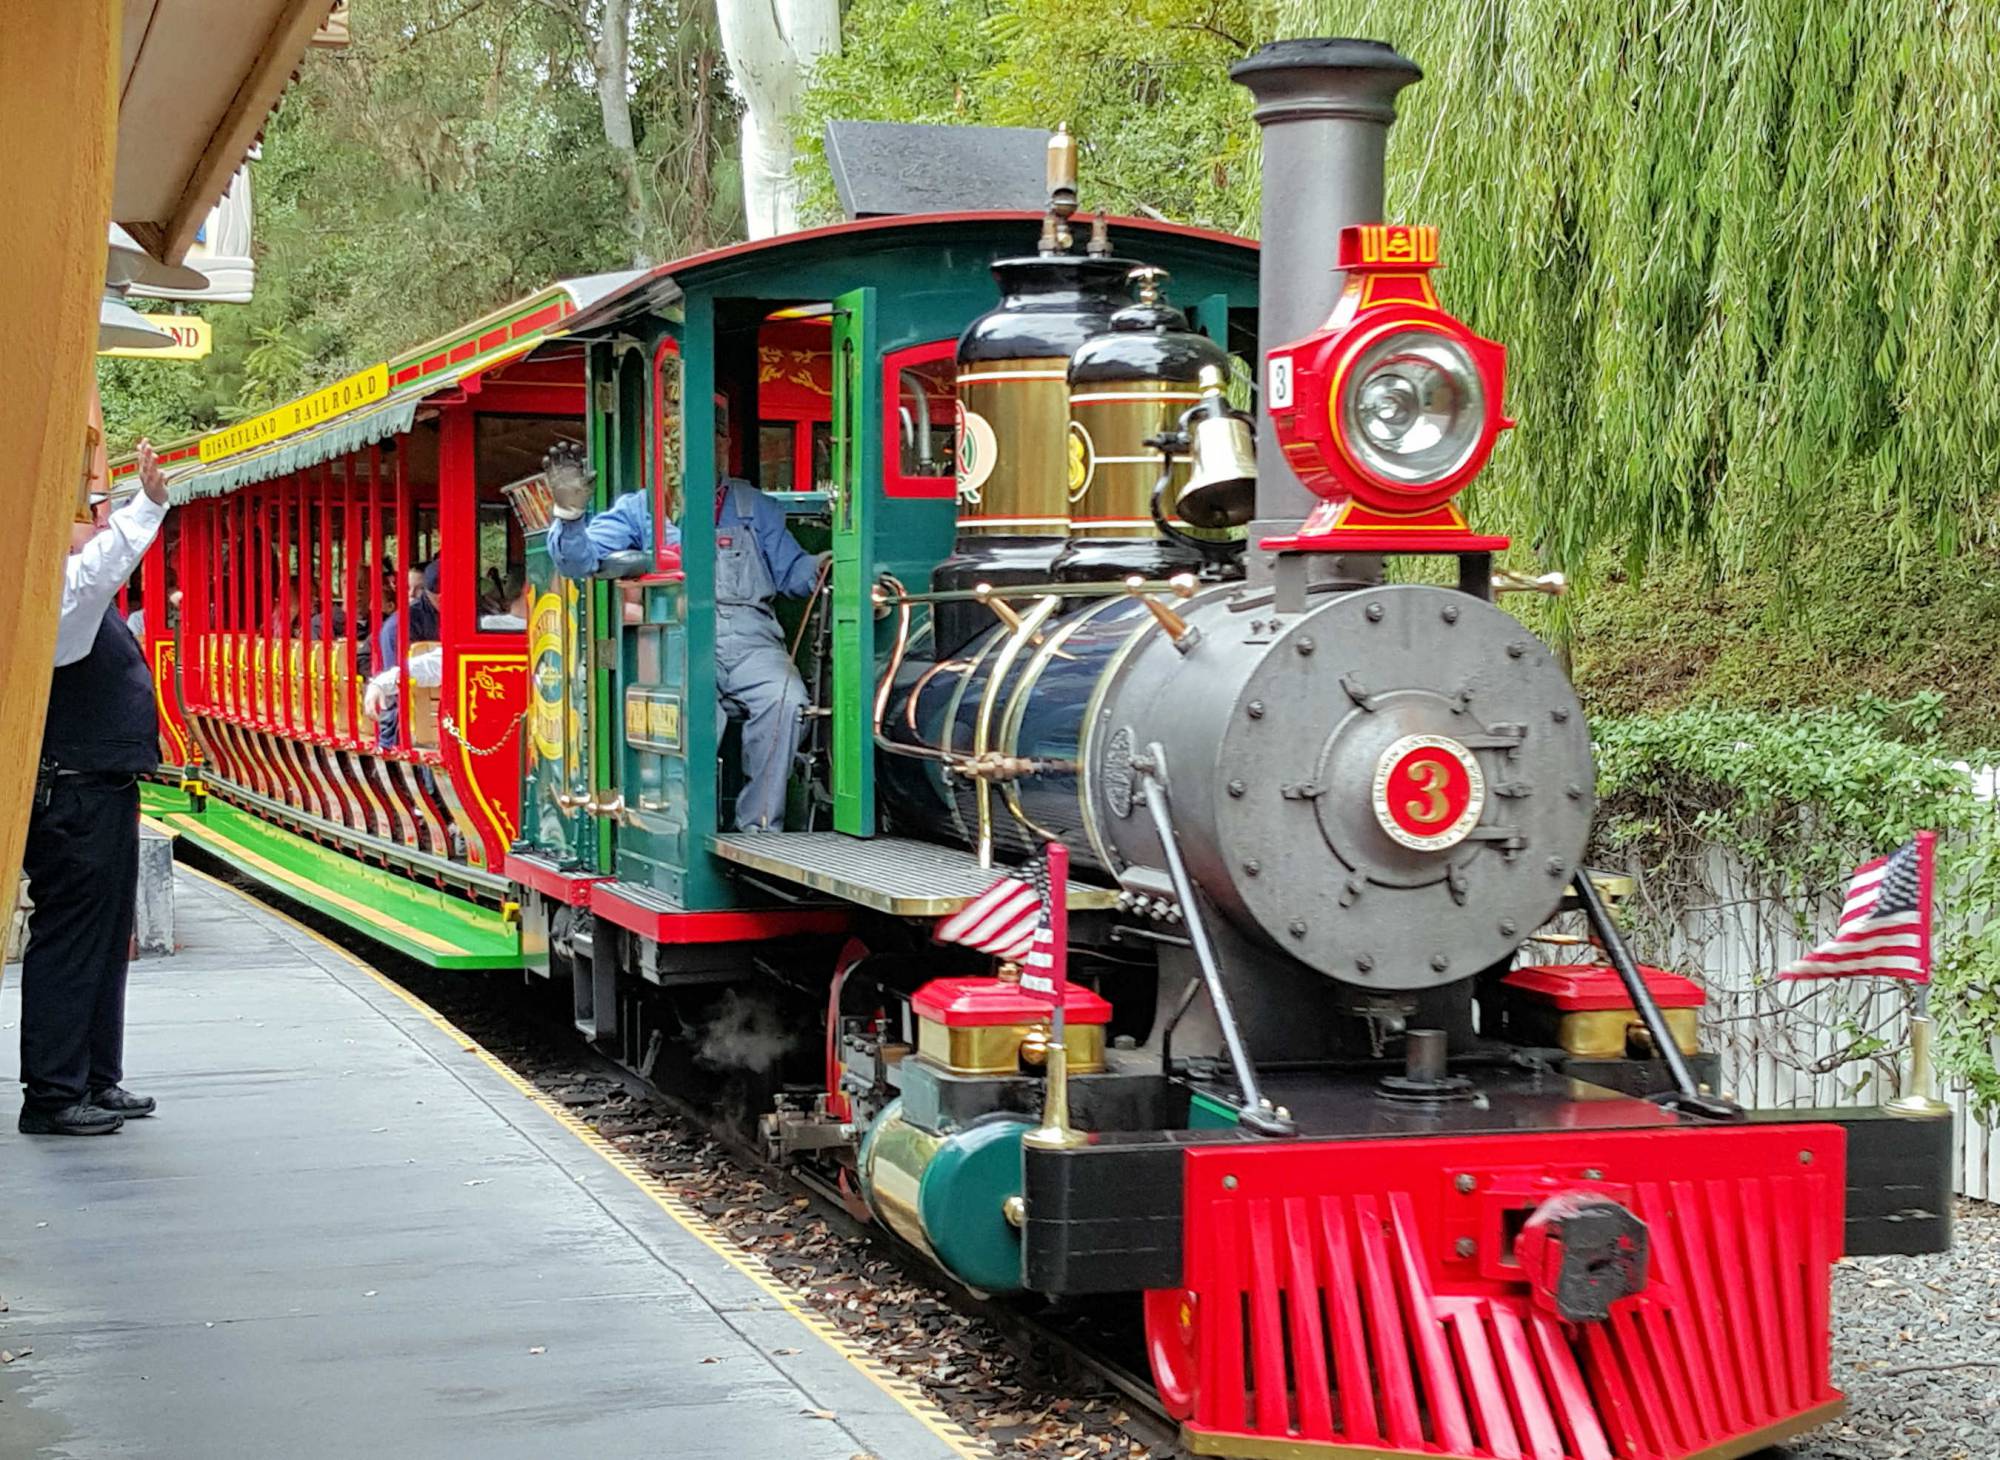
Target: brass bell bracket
{"x":1509,"y":580}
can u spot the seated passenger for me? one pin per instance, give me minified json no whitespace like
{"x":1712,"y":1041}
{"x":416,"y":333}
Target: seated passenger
{"x":425,"y":628}
{"x":512,"y":614}
{"x":756,"y":558}
{"x":422,"y":608}
{"x":382,"y":696}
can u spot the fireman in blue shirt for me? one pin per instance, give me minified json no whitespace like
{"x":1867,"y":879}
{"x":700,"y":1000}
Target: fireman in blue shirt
{"x":756,"y":558}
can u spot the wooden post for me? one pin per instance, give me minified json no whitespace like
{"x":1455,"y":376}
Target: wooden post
{"x":59,"y":113}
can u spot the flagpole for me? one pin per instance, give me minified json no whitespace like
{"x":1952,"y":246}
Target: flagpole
{"x":1056,"y":1132}
{"x":1919,"y":1095}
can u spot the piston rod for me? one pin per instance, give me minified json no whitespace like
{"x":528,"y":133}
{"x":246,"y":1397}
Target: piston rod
{"x":1257,"y":1113}
{"x":1689,"y":1095}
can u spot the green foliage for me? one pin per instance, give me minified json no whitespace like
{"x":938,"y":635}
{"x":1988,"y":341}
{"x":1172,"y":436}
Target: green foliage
{"x":1143,"y":84}
{"x":1743,"y":257}
{"x":1798,"y":799}
{"x":163,"y":399}
{"x":1838,"y":618}
{"x":1967,"y":980}
{"x":1803,"y":795}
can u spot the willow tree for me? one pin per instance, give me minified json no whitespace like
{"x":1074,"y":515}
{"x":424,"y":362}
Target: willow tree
{"x":1743,"y":252}
{"x":1746,"y":258}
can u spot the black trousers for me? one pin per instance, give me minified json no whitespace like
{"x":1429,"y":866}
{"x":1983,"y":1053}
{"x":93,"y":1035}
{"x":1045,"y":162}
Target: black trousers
{"x":82,"y":863}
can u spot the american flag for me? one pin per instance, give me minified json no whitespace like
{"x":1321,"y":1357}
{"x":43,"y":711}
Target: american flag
{"x":1043,"y":969}
{"x":1021,"y":921}
{"x":1885,"y":923}
{"x":1002,"y":920}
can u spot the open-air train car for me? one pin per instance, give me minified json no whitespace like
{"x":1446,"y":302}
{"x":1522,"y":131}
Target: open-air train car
{"x":283,"y":583}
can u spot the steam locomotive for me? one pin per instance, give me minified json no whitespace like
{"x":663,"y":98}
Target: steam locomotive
{"x":1383,"y":1184}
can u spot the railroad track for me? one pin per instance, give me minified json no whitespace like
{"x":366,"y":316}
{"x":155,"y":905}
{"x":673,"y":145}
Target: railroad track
{"x":1050,"y":1343}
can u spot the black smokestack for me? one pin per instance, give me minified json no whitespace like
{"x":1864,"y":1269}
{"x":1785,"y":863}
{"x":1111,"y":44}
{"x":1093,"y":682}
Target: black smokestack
{"x":1325,"y":107}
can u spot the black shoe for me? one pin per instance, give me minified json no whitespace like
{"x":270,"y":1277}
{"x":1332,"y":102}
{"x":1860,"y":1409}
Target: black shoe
{"x":120,"y":1101}
{"x":80,"y":1119}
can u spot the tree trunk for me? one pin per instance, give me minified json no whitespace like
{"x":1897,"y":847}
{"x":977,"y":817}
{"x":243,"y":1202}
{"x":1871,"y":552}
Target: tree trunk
{"x":701,"y":196}
{"x":609,"y":56}
{"x":772,"y":46}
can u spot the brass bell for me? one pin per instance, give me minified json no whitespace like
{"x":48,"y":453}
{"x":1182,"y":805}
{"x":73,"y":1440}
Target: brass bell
{"x":1221,"y":490}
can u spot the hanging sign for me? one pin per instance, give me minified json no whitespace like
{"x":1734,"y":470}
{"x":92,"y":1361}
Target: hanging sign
{"x":193,"y":339}
{"x":363,"y":389}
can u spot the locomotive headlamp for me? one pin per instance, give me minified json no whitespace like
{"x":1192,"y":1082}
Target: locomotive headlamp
{"x":1415,"y":407}
{"x":1390,"y":407}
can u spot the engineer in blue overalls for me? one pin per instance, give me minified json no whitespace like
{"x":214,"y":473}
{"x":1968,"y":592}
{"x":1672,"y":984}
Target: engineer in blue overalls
{"x":755,"y":559}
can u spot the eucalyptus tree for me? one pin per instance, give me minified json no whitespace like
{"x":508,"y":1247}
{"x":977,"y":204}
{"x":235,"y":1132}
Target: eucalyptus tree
{"x":773,"y":46}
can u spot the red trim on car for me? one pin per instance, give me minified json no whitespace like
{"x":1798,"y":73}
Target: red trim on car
{"x":743,"y":925}
{"x":572,"y":888}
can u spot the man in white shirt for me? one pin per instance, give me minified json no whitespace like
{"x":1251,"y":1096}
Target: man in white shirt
{"x":103,"y":553}
{"x":82,"y":854}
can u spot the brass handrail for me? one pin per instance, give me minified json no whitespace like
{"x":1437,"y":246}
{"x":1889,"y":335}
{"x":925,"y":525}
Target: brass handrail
{"x":983,"y":728}
{"x":985,"y":592}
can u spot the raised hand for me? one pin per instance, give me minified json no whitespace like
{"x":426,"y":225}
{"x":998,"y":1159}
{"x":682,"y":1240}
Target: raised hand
{"x":570,"y":479}
{"x":152,"y":481}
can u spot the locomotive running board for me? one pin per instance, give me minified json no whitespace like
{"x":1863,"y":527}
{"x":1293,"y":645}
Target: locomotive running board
{"x":894,"y":875}
{"x":426,"y":923}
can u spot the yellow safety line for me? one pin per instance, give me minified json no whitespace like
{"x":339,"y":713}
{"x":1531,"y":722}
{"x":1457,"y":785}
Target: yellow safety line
{"x":903,"y":1391}
{"x":314,"y":891}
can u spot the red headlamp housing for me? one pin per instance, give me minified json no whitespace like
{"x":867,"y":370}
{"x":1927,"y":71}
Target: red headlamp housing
{"x":1390,"y":407}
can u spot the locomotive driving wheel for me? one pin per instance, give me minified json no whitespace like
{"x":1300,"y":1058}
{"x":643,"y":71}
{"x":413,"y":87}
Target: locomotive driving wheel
{"x":1173,"y":1347}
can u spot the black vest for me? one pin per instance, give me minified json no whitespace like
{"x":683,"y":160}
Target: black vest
{"x":102,"y":716}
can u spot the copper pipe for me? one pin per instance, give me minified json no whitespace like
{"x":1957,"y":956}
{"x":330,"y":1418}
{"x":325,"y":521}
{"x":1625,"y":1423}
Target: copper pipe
{"x":896,"y":653}
{"x":983,"y":728}
{"x":923,"y":683}
{"x":813,"y":605}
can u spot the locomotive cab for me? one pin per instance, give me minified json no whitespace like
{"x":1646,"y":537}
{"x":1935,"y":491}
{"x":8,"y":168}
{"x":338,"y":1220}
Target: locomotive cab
{"x":825,"y":367}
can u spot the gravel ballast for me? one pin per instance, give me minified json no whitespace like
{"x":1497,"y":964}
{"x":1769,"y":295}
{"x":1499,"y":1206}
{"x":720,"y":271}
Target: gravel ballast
{"x":1916,"y":1346}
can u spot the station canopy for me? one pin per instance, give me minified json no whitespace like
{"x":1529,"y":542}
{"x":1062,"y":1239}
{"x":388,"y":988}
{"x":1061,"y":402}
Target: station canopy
{"x":197,"y":81}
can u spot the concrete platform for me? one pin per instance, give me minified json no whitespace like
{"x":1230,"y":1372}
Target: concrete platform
{"x":347,"y":1233}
